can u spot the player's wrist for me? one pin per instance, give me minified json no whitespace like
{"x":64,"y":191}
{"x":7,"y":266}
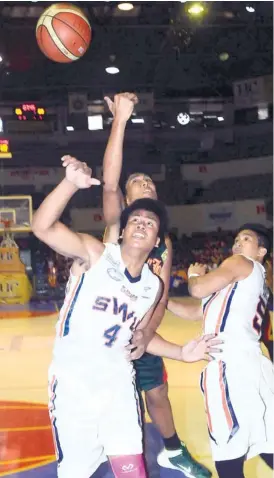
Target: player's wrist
{"x":192,"y":274}
{"x":69,"y":186}
{"x":119,"y":121}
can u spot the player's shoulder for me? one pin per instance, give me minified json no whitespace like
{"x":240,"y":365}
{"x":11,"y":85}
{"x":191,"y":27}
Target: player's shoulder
{"x":238,"y":260}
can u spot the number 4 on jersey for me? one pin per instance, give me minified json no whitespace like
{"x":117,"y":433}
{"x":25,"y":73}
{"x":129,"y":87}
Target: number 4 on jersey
{"x":111,"y":335}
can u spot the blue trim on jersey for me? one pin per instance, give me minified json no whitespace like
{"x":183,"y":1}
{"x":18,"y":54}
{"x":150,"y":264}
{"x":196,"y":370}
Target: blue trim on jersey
{"x":67,"y":323}
{"x":235,"y":426}
{"x":55,"y":430}
{"x":212,"y":437}
{"x":227,"y":309}
{"x":203,"y":392}
{"x":211,"y":297}
{"x":201,"y":383}
{"x":130,"y":278}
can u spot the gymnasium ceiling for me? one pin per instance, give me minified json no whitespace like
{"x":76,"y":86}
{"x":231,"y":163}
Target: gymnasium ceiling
{"x":157,"y":47}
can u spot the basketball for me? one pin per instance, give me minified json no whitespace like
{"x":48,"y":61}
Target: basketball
{"x":63,"y":33}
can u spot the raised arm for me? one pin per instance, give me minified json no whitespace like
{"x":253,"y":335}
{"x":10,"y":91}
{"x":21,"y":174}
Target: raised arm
{"x":46,"y":225}
{"x":113,"y":202}
{"x":233,"y":269}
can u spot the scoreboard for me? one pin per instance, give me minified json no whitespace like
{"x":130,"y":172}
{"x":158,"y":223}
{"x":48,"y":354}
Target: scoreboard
{"x":5,"y":152}
{"x":29,"y":112}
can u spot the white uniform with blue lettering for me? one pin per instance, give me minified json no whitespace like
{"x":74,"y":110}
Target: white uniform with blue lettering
{"x":94,"y":406}
{"x":238,"y":386}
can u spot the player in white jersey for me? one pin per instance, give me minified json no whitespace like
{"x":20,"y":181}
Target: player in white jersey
{"x":238,"y":385}
{"x":94,"y":407}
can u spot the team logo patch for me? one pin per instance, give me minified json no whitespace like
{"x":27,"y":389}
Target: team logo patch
{"x":112,"y":261}
{"x":115,"y":275}
{"x":128,"y":468}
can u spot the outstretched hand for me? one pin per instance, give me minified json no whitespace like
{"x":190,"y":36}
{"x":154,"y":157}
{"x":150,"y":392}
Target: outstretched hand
{"x":201,"y":348}
{"x":78,"y":173}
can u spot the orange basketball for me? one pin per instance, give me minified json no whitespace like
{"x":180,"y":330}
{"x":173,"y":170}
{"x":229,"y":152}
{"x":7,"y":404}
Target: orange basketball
{"x":63,"y":33}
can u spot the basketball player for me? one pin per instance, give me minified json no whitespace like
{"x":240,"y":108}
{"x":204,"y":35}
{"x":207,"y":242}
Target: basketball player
{"x":94,"y":407}
{"x":267,"y":326}
{"x":238,"y":386}
{"x":151,"y":376}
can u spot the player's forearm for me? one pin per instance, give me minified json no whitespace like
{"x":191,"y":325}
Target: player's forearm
{"x":161,"y":347}
{"x":113,"y":158}
{"x":53,"y":206}
{"x":187,"y":308}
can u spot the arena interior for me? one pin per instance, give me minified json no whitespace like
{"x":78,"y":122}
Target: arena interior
{"x":202,"y":130}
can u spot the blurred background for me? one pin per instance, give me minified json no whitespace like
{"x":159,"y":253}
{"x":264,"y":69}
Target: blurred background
{"x":202,"y":129}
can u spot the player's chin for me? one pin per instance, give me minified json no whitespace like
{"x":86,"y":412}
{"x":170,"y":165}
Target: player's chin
{"x":141,"y":243}
{"x":149,"y":194}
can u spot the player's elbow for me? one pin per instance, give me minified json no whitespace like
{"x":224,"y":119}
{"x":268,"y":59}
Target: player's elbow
{"x":39,"y":227}
{"x":196,"y":291}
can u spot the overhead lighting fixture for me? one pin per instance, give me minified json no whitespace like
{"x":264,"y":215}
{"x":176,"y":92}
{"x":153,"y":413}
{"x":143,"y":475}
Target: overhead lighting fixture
{"x":95,"y":122}
{"x":250,"y":9}
{"x":1,"y":126}
{"x":137,"y":120}
{"x":1,"y":58}
{"x":220,"y":118}
{"x":224,"y":56}
{"x":125,"y":7}
{"x":112,"y":70}
{"x":70,"y":128}
{"x":196,"y":9}
{"x":183,"y":119}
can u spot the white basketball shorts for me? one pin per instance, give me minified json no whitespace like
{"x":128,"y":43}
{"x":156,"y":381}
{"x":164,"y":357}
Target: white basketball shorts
{"x":90,"y":423}
{"x":239,"y":403}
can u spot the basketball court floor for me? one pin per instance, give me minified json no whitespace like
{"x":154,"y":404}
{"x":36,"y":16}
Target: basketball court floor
{"x":26,"y":448}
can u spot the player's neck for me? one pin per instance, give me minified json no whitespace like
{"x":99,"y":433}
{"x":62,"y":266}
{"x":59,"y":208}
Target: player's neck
{"x":133,"y":259}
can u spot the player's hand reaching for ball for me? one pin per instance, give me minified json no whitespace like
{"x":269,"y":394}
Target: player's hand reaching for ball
{"x":123,"y":105}
{"x":78,"y":173}
{"x":201,"y":348}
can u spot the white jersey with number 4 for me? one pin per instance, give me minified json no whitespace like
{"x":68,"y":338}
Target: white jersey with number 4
{"x":102,"y":308}
{"x":238,"y":386}
{"x":93,"y":402}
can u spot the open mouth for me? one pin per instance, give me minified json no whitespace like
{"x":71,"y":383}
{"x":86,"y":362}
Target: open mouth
{"x":139,"y":235}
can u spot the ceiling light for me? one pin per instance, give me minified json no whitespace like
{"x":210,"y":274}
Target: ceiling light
{"x":220,"y":118}
{"x":1,"y":126}
{"x":196,"y":9}
{"x":224,"y":56}
{"x":1,"y":58}
{"x":125,"y":7}
{"x":112,"y":70}
{"x":70,"y":128}
{"x":95,"y":122}
{"x":137,"y":120}
{"x":250,"y":9}
{"x":183,"y":118}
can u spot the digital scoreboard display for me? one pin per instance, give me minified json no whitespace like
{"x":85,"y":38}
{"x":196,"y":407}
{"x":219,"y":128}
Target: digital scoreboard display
{"x":29,"y":112}
{"x":5,"y":152}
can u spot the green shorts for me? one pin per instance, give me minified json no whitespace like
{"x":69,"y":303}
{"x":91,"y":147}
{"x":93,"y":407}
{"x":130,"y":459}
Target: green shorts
{"x":150,"y":372}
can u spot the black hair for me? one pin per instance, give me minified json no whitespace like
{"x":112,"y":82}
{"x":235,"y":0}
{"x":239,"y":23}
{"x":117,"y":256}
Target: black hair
{"x":262,"y":233}
{"x":152,"y":205}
